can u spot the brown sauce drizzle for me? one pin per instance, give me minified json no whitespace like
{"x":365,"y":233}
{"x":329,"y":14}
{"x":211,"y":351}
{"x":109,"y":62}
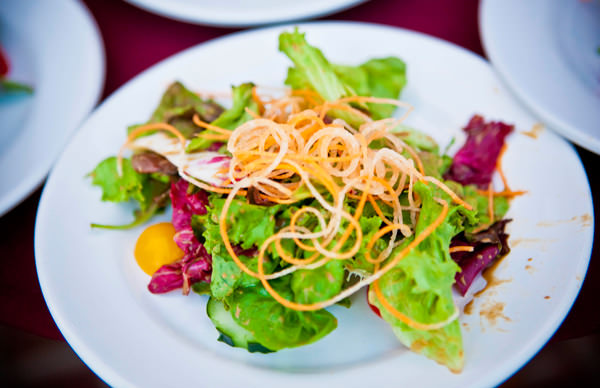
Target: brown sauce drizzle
{"x":494,"y":312}
{"x":488,"y":275}
{"x":535,"y":131}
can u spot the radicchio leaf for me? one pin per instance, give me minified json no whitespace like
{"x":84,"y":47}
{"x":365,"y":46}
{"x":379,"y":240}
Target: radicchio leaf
{"x":488,"y":245}
{"x":475,"y":162}
{"x":185,"y":204}
{"x":214,"y":147}
{"x":195,"y":266}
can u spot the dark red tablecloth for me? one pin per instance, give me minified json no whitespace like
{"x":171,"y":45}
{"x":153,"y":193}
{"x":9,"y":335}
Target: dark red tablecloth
{"x":135,"y":40}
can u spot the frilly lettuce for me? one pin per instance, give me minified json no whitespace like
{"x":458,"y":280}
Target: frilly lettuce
{"x":381,"y":77}
{"x":248,"y":227}
{"x":148,"y":190}
{"x":420,"y":285}
{"x":273,"y":325}
{"x":177,"y":107}
{"x":232,"y":117}
{"x":311,"y":286}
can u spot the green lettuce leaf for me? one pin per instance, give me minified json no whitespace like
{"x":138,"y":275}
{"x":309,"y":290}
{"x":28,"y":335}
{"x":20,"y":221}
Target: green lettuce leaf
{"x":435,"y":165}
{"x":316,"y":285}
{"x":380,"y":77}
{"x":312,"y":66}
{"x":480,"y":205}
{"x":178,"y":100}
{"x":420,"y":285}
{"x":274,"y":326}
{"x":248,"y":227}
{"x":416,"y":139}
{"x":369,"y":226}
{"x":481,"y":202}
{"x":117,"y":188}
{"x":177,"y":107}
{"x":148,"y":190}
{"x":10,"y":86}
{"x":227,"y":275}
{"x":232,"y":117}
{"x":237,"y":115}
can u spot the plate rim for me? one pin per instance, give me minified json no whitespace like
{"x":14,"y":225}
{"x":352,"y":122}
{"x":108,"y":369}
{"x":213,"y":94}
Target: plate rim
{"x":554,"y":121}
{"x":35,"y":178}
{"x":219,"y":19}
{"x":526,"y":353}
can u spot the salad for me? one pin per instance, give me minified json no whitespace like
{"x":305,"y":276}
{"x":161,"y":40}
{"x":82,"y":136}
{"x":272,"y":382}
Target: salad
{"x":7,"y":85}
{"x":284,"y":205}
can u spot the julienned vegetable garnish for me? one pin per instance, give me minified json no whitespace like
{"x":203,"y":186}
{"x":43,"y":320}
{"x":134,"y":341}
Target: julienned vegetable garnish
{"x":283,"y":206}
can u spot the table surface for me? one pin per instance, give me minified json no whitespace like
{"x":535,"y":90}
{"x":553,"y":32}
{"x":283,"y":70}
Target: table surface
{"x":135,"y":40}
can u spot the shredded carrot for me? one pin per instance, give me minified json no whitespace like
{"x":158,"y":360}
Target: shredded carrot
{"x":329,"y":106}
{"x":503,"y":193}
{"x":452,"y":194}
{"x":376,"y":237}
{"x":212,"y":136}
{"x":196,"y":120}
{"x":461,"y":248}
{"x":406,"y":319}
{"x":349,"y":291}
{"x":359,"y":209}
{"x":252,"y":113}
{"x":225,"y":236}
{"x":310,"y":96}
{"x":279,"y":200}
{"x":294,"y":260}
{"x":299,"y":157}
{"x":499,"y":167}
{"x":293,"y":224}
{"x":258,"y":101}
{"x":378,"y":210}
{"x":491,"y":202}
{"x":416,"y":158}
{"x":384,"y":302}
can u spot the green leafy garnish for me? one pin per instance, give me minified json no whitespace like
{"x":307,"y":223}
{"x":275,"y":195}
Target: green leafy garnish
{"x":248,"y":227}
{"x":178,"y":106}
{"x":420,"y":285}
{"x":231,"y":118}
{"x":380,"y":77}
{"x":10,"y":86}
{"x":273,"y":325}
{"x":147,"y":190}
{"x":119,"y":188}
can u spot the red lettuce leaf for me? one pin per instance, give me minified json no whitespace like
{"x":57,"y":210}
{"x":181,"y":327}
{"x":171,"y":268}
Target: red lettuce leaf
{"x":489,"y":245}
{"x":475,"y":162}
{"x":195,"y":266}
{"x":185,"y":204}
{"x":214,"y":147}
{"x":166,"y":278}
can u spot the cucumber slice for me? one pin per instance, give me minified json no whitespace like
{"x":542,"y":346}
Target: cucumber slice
{"x":231,"y":332}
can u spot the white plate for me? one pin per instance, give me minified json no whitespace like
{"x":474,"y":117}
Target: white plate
{"x":243,"y":13}
{"x":547,"y":52}
{"x":97,"y":295}
{"x":56,"y":48}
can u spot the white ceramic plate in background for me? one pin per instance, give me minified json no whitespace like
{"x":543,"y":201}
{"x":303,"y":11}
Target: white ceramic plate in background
{"x":55,"y":47}
{"x":129,"y":337}
{"x":548,"y":54}
{"x":243,"y":13}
